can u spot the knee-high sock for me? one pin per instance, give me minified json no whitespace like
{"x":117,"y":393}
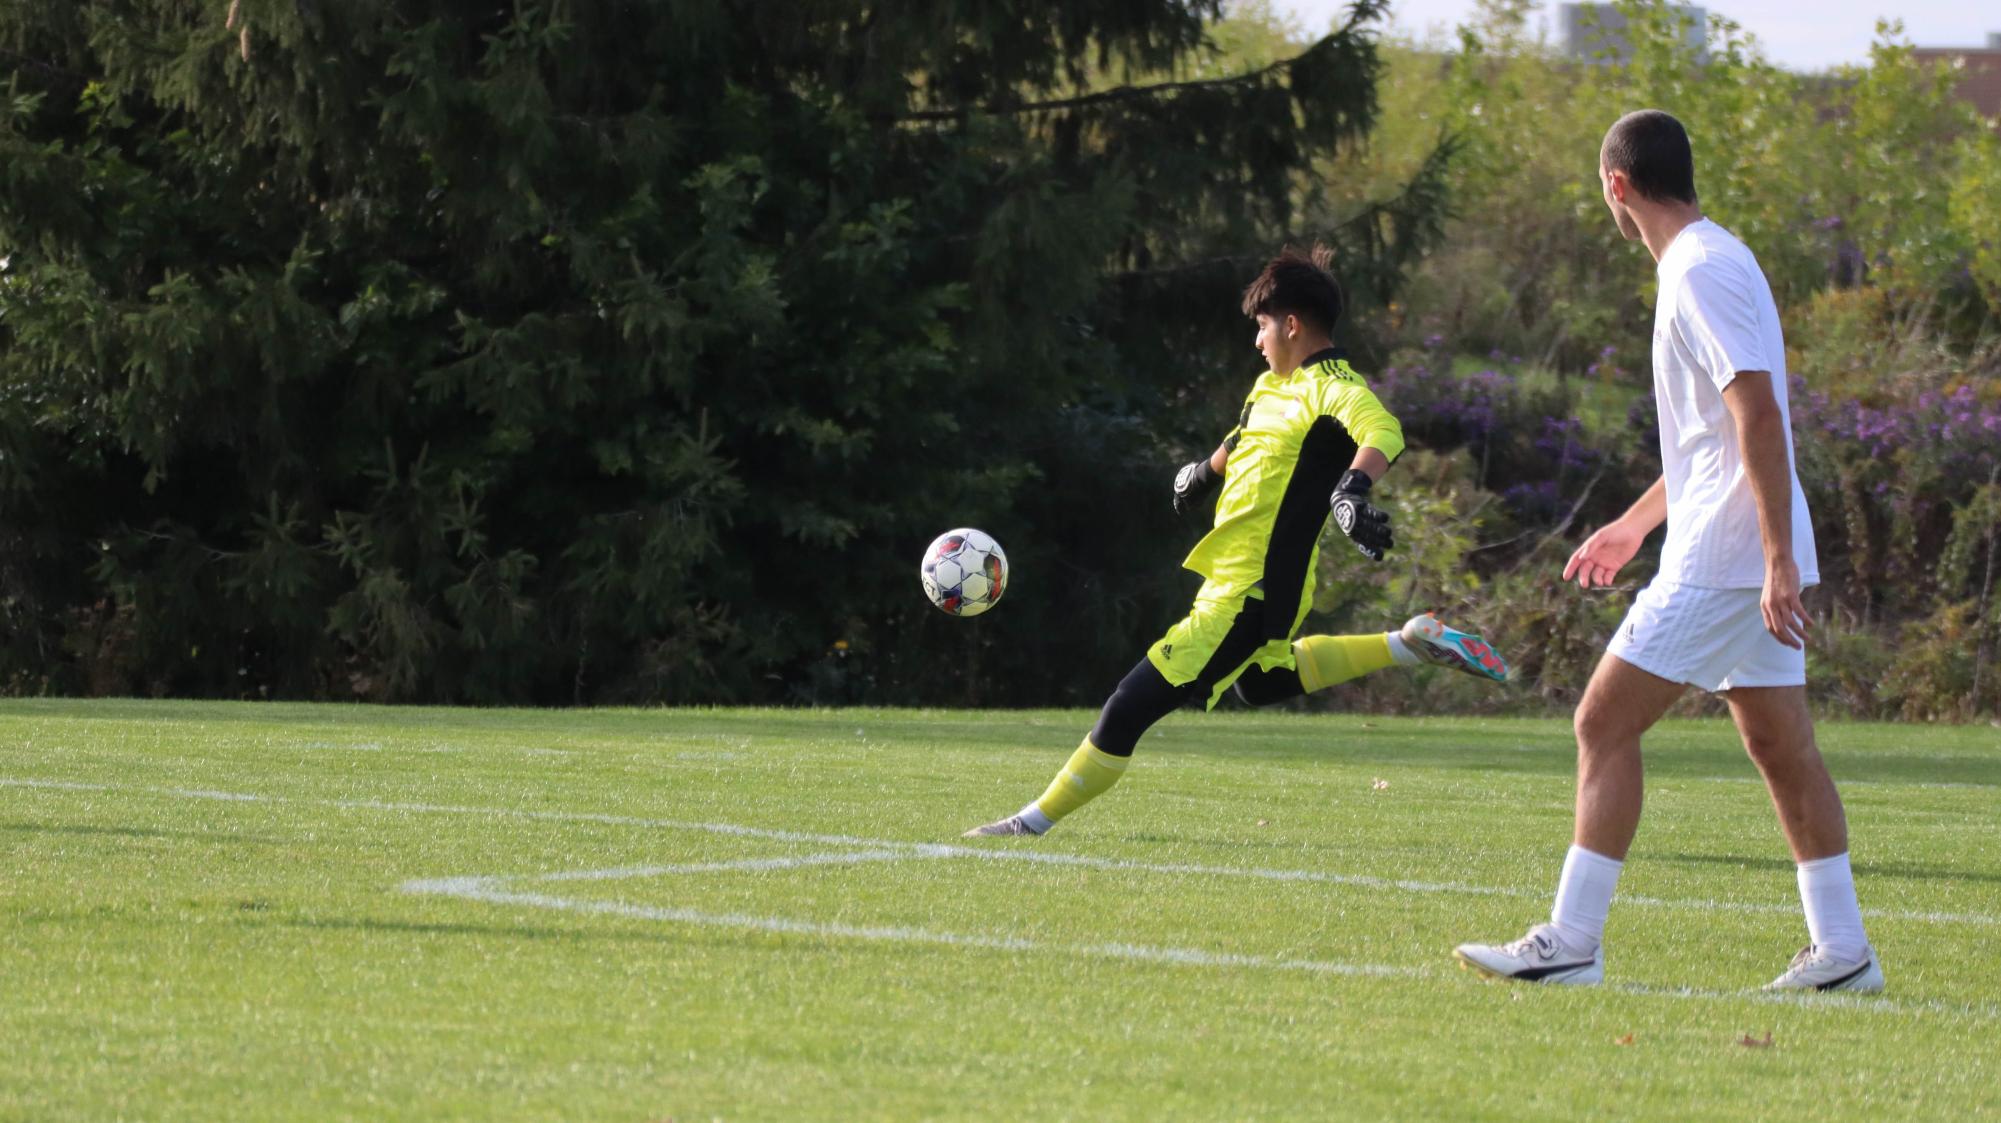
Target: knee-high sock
{"x":1326,"y":660}
{"x":1089,"y":773}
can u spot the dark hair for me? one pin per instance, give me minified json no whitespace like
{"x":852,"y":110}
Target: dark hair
{"x":1652,"y":149}
{"x":1298,"y":284}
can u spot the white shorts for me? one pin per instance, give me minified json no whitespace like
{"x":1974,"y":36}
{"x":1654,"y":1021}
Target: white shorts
{"x":1709,"y":638}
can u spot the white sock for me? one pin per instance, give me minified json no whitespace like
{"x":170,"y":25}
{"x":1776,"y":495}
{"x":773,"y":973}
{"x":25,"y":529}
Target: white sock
{"x":1400,"y":651}
{"x":1036,"y":820}
{"x":1833,"y":918}
{"x":1584,"y":896}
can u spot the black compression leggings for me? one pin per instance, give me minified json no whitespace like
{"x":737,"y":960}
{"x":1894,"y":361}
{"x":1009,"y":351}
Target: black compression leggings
{"x":1145,"y":696}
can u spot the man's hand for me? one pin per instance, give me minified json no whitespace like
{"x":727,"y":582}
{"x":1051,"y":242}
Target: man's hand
{"x":1364,"y":525}
{"x":1191,"y":483}
{"x":1785,"y":616}
{"x":1603,"y":554}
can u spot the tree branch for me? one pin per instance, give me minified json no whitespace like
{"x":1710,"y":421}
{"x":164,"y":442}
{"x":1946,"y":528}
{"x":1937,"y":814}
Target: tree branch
{"x":1101,"y":97}
{"x":1363,"y":11}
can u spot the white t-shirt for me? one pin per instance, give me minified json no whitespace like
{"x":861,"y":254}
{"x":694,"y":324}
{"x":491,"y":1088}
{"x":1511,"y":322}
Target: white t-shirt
{"x":1715,"y":318}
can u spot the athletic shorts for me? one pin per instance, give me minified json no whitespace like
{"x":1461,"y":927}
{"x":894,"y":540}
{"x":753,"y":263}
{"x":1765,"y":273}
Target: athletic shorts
{"x":1709,"y":638}
{"x":1219,"y":639}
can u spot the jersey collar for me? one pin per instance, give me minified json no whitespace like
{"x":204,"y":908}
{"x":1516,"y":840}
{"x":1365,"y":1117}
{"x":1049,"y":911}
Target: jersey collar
{"x":1324,"y":355}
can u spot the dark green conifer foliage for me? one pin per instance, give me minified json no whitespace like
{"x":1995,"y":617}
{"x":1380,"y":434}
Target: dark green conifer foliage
{"x":582,"y":351}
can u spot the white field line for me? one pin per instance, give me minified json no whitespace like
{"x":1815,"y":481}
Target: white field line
{"x":927,"y":849}
{"x":488,"y":890}
{"x":743,"y":865}
{"x":1815,"y":1000}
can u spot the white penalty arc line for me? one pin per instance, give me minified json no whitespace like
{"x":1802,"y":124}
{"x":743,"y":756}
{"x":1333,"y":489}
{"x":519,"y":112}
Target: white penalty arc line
{"x":941,"y":850}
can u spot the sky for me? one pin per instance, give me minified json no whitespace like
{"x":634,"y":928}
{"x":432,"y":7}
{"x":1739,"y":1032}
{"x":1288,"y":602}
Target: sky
{"x":1795,"y":34}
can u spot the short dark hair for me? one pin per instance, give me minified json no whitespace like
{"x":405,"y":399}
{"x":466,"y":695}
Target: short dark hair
{"x":1298,"y":284}
{"x":1652,"y":149}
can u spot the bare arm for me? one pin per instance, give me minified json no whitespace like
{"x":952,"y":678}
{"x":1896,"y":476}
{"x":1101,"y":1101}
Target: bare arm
{"x":1371,"y":462}
{"x":1649,"y":510}
{"x":1220,"y":457}
{"x":1598,"y":561}
{"x":1761,"y":440}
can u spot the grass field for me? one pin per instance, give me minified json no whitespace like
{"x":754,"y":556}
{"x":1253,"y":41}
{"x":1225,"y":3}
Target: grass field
{"x":272,"y":912}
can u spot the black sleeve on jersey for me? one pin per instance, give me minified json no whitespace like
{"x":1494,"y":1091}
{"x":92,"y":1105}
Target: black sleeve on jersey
{"x":1236,"y":434}
{"x":1325,"y":453}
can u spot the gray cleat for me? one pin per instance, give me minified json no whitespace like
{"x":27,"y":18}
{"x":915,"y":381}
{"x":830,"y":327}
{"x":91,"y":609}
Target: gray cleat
{"x":1814,"y":969}
{"x":1012,"y":825}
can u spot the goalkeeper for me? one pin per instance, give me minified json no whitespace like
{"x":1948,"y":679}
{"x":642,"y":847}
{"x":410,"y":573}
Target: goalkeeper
{"x":1312,"y":439}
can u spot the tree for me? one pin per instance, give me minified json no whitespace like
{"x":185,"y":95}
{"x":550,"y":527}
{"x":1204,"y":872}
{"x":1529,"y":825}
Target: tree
{"x":588,"y":351}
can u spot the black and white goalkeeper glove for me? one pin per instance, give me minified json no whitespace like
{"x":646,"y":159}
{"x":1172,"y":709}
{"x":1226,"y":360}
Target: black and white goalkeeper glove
{"x":1193,"y":482}
{"x":1361,"y":521}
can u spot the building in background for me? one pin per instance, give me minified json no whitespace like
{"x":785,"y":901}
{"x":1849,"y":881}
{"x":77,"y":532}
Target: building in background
{"x":1979,"y":71}
{"x":1596,"y":32}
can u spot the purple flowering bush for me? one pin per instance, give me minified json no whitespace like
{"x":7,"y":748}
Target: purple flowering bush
{"x":1506,"y":476}
{"x":1526,"y":439}
{"x":1906,"y":495}
{"x":1892,"y":484}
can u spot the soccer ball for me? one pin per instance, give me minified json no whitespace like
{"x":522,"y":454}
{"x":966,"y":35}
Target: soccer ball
{"x":964,"y":571}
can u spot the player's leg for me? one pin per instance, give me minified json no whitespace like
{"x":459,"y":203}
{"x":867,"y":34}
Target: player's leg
{"x":1209,"y":647}
{"x":1778,"y":734}
{"x":1620,"y":704}
{"x":1142,"y":698}
{"x":1319,"y":662}
{"x":1777,"y":729}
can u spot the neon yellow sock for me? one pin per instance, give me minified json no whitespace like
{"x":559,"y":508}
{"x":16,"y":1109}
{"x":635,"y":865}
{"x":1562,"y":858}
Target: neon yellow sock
{"x":1090,"y":773}
{"x":1326,"y":660}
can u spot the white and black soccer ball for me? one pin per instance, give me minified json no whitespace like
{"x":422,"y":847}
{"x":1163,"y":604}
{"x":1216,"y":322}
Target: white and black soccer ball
{"x":964,"y":571}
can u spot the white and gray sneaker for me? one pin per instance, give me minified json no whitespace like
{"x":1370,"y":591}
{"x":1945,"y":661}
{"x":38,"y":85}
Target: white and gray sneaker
{"x":1814,"y":969}
{"x":1012,"y":825}
{"x":1542,"y":956}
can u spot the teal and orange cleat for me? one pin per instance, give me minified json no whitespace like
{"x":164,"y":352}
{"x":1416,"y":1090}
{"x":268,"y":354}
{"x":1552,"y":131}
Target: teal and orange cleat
{"x":1434,"y":642}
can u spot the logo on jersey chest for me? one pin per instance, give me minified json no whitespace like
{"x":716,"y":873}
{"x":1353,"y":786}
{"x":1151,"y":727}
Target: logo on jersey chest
{"x":1289,"y":409}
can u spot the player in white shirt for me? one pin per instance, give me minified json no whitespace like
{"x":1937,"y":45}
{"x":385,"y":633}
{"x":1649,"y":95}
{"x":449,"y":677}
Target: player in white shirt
{"x":1723,"y":613}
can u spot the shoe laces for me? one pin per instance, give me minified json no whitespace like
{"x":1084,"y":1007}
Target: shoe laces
{"x":1538,"y":940}
{"x":1805,"y":956}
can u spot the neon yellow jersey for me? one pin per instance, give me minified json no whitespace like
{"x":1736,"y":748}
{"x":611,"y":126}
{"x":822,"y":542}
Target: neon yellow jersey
{"x":1295,"y":438}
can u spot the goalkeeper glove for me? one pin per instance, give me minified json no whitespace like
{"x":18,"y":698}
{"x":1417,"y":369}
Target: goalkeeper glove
{"x":1193,"y":482}
{"x":1362,"y":522}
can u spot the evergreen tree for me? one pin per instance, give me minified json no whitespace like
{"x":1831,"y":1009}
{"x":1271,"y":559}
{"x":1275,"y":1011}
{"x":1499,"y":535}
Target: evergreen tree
{"x":586,"y":351}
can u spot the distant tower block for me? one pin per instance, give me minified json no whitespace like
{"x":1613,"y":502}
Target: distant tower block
{"x":1597,"y":32}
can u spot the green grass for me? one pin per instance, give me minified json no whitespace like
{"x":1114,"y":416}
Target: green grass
{"x":173,"y":954}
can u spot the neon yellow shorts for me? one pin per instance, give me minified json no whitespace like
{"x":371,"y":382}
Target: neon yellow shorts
{"x":1220,"y":639}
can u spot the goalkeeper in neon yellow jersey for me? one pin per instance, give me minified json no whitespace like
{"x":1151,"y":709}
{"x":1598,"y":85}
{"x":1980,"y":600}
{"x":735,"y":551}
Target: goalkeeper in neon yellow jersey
{"x":1312,"y":439}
